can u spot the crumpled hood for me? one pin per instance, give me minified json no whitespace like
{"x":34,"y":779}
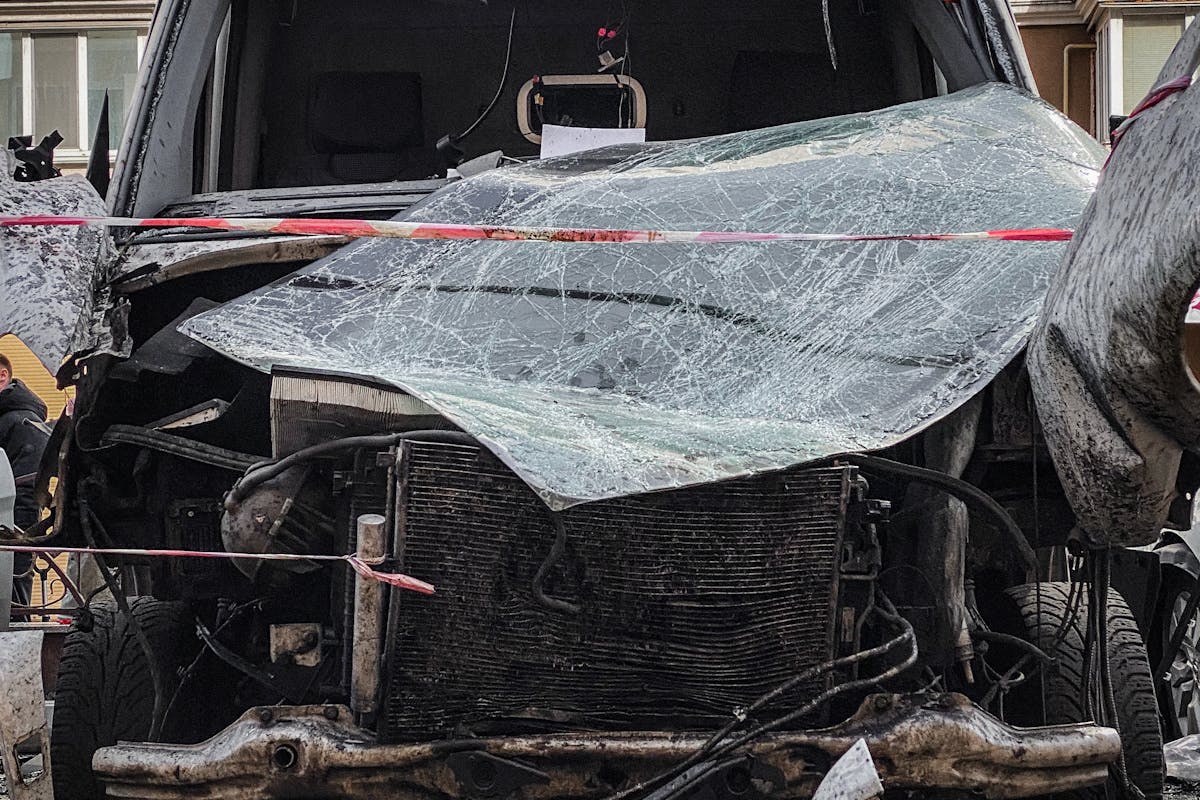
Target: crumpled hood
{"x":601,"y":370}
{"x":50,"y":275}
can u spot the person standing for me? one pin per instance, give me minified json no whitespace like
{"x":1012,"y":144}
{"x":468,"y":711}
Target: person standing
{"x":23,"y":440}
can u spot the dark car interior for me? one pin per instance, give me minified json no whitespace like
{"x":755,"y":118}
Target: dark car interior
{"x":318,"y":93}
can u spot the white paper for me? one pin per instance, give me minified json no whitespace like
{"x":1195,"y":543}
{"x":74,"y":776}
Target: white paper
{"x":1182,"y":757}
{"x":561,"y":141}
{"x":853,"y":777}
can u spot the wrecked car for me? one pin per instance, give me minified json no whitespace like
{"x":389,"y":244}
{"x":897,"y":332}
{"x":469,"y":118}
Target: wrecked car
{"x":699,"y":517}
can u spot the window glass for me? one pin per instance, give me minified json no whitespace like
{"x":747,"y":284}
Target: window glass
{"x":1146,"y":43}
{"x":111,"y":67}
{"x":56,"y":88}
{"x":11,"y":84}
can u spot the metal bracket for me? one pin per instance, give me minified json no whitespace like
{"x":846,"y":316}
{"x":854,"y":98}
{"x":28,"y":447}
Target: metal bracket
{"x":23,"y":716}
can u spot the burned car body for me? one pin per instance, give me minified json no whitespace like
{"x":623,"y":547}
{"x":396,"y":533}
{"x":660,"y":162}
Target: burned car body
{"x":658,"y":488}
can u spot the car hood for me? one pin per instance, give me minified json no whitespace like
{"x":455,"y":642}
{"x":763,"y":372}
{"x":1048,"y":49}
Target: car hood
{"x":602,"y":370}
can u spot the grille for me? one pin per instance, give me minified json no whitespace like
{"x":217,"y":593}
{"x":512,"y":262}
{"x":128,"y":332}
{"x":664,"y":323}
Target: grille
{"x":691,"y":603}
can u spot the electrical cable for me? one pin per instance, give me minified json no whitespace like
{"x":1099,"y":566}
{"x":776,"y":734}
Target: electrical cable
{"x":187,"y":673}
{"x":713,"y":749}
{"x":512,"y":24}
{"x":807,"y":708}
{"x":829,"y":34}
{"x":247,"y":668}
{"x":1013,"y":641}
{"x":1003,"y":683}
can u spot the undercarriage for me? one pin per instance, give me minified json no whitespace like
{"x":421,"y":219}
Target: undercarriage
{"x":917,"y":741}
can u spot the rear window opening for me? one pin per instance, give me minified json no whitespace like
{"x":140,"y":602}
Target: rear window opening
{"x":312,"y":93}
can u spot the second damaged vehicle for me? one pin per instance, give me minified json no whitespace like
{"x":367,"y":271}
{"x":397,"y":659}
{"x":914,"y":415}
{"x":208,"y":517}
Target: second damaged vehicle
{"x":699,"y":517}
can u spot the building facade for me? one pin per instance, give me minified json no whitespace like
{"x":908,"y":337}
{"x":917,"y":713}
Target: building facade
{"x":1095,"y":59}
{"x":57,"y":60}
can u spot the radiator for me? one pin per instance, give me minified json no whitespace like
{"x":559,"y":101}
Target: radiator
{"x":690,"y":603}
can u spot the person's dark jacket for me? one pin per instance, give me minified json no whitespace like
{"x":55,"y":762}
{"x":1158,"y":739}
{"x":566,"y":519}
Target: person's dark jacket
{"x":23,"y":443}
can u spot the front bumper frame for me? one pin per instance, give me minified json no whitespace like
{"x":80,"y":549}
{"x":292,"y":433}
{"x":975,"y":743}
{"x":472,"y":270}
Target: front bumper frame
{"x":921,"y":741}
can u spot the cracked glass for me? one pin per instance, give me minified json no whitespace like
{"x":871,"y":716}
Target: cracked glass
{"x":602,"y":370}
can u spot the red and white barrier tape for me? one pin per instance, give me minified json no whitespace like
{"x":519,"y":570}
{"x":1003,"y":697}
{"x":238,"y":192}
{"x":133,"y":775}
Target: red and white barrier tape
{"x":1156,"y":96}
{"x":363,"y":229}
{"x":359,"y":565}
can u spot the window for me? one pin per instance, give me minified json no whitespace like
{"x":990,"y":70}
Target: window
{"x":57,"y":80}
{"x":55,"y":87}
{"x":1148,"y":41}
{"x":112,"y":61}
{"x":11,"y":85}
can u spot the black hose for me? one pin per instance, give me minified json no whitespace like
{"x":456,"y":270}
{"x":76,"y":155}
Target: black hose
{"x":972,"y":496}
{"x":179,"y":446}
{"x":1013,"y":641}
{"x":539,"y":580}
{"x":262,"y":472}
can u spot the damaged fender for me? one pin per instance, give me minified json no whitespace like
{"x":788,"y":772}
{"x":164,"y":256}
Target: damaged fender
{"x":53,"y":276}
{"x":1117,"y":402}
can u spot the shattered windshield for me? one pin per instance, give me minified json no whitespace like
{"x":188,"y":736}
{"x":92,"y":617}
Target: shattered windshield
{"x":603,"y":370}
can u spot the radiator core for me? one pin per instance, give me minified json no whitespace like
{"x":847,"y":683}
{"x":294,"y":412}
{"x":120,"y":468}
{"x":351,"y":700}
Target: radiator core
{"x":690,"y":603}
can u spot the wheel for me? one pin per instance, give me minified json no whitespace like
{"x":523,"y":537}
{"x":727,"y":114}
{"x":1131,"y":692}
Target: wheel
{"x":105,"y":689}
{"x":1180,"y":686}
{"x":1039,"y":621}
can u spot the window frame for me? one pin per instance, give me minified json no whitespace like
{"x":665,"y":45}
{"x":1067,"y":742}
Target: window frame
{"x":1110,"y":68}
{"x":69,"y":152}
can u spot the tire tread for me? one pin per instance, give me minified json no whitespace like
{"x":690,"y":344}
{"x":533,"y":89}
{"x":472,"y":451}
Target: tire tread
{"x":105,"y":689}
{"x":1133,"y":682}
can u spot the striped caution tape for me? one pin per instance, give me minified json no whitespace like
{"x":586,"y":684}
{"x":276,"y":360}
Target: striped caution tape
{"x":363,"y":567}
{"x":424,"y":231}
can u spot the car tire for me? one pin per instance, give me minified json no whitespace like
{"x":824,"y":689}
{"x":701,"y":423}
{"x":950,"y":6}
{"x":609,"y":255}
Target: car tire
{"x":1038,"y":619}
{"x":105,"y":688}
{"x":1179,"y":686}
